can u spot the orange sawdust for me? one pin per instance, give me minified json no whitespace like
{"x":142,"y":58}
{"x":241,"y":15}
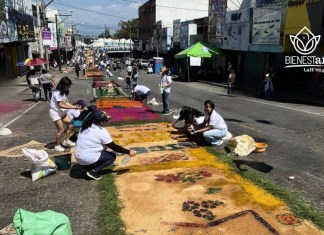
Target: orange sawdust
{"x":110,"y":103}
{"x":249,"y":193}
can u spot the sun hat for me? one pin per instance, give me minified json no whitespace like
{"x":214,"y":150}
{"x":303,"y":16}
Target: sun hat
{"x":164,"y":69}
{"x":101,"y":116}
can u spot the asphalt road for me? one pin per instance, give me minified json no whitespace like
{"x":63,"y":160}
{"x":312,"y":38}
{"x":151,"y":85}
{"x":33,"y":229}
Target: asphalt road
{"x":293,"y":132}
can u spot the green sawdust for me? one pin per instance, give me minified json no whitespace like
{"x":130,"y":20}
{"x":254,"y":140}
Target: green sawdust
{"x":298,"y":208}
{"x":110,"y":206}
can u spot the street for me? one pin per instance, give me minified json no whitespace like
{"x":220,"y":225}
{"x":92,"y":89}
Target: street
{"x":294,"y":134}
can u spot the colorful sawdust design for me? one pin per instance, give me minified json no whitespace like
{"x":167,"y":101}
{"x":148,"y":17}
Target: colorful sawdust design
{"x":184,"y":177}
{"x":213,"y":190}
{"x":215,"y":223}
{"x":164,"y":158}
{"x":140,"y":133}
{"x":108,"y":91}
{"x":120,"y":103}
{"x":162,"y":200}
{"x":97,"y":84}
{"x":289,"y":219}
{"x":202,"y":209}
{"x":139,"y":113}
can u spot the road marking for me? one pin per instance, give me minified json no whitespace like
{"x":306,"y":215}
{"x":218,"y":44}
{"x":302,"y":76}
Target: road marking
{"x":16,"y":118}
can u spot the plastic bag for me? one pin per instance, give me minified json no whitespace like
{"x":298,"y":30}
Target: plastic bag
{"x":41,"y":164}
{"x":41,"y":223}
{"x":241,"y":145}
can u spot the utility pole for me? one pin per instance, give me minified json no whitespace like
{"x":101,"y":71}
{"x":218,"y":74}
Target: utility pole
{"x":39,"y":31}
{"x":58,"y":44}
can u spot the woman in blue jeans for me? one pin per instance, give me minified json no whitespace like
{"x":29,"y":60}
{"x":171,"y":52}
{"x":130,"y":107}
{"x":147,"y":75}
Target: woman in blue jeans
{"x":91,"y":146}
{"x":214,"y":128}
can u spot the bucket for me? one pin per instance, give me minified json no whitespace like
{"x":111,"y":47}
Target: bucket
{"x":63,"y":162}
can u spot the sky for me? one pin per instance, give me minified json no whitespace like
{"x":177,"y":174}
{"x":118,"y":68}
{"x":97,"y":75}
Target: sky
{"x":90,"y":17}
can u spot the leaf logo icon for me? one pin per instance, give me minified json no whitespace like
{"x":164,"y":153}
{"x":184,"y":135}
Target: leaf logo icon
{"x":305,"y":42}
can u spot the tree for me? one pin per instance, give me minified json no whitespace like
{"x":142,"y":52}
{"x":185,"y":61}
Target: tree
{"x":126,"y":28}
{"x":105,"y":33}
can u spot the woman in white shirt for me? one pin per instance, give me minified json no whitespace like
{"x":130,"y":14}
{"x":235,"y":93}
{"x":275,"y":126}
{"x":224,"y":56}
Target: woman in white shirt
{"x":91,"y":147}
{"x":214,"y":127}
{"x":58,"y":108}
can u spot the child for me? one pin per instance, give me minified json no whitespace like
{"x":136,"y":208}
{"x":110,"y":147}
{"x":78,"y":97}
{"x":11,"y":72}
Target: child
{"x":128,"y":80}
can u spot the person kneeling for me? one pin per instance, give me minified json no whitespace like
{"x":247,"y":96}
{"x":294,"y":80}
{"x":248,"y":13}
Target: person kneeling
{"x":214,"y":128}
{"x":91,"y":146}
{"x":140,"y":93}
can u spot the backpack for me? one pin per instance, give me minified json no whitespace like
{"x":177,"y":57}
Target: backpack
{"x":78,"y":123}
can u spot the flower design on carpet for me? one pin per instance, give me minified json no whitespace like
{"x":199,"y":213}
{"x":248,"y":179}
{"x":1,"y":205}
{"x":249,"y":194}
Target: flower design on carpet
{"x":165,"y":158}
{"x":201,"y":209}
{"x":167,"y":178}
{"x":184,"y":177}
{"x":289,"y":219}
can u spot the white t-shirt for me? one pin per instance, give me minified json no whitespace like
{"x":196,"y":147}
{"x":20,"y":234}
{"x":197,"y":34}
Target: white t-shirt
{"x":57,"y":97}
{"x":91,"y":142}
{"x":165,"y":80}
{"x":129,"y":68}
{"x":216,"y":121}
{"x":45,"y":78}
{"x":141,"y":89}
{"x":34,"y":80}
{"x":73,"y":113}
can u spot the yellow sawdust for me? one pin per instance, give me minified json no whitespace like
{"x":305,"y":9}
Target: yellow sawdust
{"x":249,"y":193}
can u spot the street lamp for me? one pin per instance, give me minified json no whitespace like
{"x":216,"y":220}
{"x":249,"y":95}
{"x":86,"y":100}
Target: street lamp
{"x":58,"y":39}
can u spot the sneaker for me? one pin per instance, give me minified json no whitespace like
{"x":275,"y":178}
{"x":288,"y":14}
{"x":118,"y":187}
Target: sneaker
{"x":59,"y":148}
{"x":94,"y":175}
{"x":68,"y":143}
{"x":165,"y":113}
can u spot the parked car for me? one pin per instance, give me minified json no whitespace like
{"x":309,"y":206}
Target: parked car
{"x":144,"y":64}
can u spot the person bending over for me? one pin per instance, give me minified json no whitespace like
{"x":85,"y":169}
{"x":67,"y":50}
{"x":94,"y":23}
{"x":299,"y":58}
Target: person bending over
{"x":191,"y":116}
{"x":214,"y":127}
{"x":140,"y":92}
{"x":91,"y":146}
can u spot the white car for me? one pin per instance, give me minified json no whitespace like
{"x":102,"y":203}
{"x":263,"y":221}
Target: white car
{"x":144,"y":64}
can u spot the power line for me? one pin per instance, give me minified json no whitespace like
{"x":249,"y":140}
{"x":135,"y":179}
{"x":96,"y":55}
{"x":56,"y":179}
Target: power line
{"x":100,"y":13}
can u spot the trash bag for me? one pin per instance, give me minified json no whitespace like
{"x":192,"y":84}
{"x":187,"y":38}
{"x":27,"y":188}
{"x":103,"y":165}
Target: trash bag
{"x":41,"y":223}
{"x":241,"y":145}
{"x":41,"y":164}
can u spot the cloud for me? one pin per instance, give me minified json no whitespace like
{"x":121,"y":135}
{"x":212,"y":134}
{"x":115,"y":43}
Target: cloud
{"x":135,"y":5}
{"x":95,"y":8}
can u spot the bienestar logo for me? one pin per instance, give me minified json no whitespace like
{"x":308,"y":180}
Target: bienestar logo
{"x":305,"y":43}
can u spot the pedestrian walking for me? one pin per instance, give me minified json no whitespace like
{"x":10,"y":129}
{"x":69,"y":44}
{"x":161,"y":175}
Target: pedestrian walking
{"x":77,"y":70}
{"x":128,"y":80}
{"x":58,"y":113}
{"x":267,"y":87}
{"x":91,"y":147}
{"x":135,"y":75}
{"x":34,"y":84}
{"x":47,"y":82}
{"x":230,"y":82}
{"x":165,"y":87}
{"x":84,"y":66}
